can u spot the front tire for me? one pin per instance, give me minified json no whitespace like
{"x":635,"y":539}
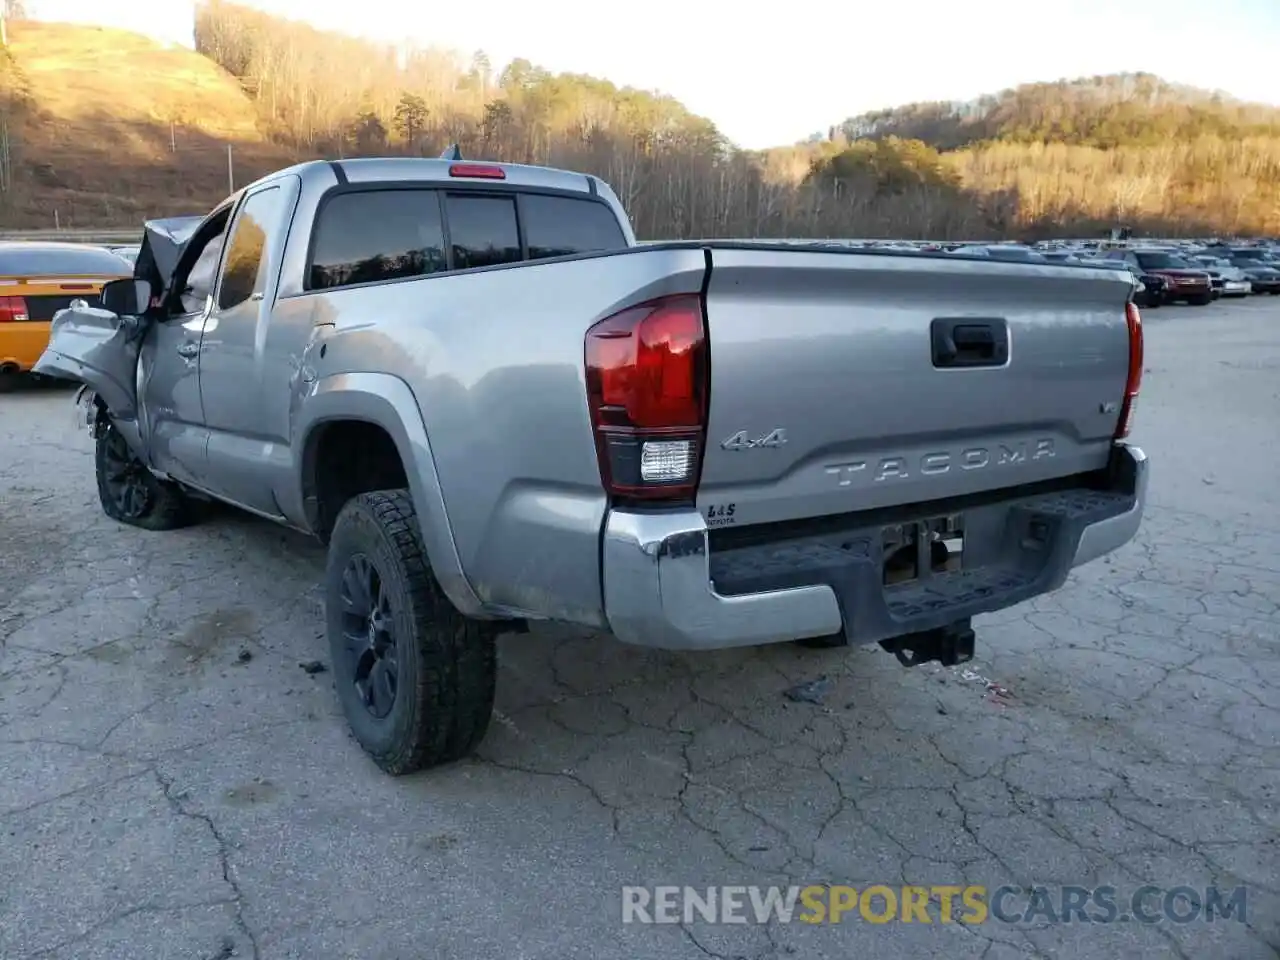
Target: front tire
{"x":1201,"y":301}
{"x":132,"y":494}
{"x":416,"y":678}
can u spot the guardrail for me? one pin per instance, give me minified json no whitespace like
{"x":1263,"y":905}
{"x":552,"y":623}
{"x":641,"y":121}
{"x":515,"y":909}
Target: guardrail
{"x":102,"y":235}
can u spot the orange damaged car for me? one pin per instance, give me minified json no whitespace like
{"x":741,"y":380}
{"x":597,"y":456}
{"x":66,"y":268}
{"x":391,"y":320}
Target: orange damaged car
{"x":39,"y":279}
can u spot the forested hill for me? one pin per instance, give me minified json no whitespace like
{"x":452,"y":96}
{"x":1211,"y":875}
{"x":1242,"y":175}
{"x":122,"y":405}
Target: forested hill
{"x":1117,"y":110}
{"x":102,"y":128}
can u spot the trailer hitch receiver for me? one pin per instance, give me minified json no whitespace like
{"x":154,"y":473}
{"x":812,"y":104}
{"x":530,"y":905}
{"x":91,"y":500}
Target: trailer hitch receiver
{"x":949,"y":645}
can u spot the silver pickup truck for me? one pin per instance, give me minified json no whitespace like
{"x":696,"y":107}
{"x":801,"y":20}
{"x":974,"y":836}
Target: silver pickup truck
{"x":493,"y":406}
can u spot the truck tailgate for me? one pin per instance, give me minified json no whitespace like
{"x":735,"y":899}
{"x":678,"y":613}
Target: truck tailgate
{"x":845,"y":381}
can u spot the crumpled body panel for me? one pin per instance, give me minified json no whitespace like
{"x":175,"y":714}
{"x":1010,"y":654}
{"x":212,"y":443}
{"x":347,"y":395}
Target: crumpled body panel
{"x":99,"y":349}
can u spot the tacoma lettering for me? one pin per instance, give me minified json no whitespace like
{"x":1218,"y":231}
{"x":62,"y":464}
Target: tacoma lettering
{"x":939,"y":462}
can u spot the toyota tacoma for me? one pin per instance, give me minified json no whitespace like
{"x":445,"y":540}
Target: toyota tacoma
{"x":494,"y":407}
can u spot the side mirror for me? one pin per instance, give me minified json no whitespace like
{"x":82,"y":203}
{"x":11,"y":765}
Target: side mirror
{"x":126,"y":298}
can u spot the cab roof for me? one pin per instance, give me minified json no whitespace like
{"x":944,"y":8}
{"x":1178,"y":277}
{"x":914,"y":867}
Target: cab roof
{"x":438,"y":170}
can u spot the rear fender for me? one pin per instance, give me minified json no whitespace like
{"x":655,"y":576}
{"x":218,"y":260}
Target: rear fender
{"x":99,"y":349}
{"x":385,"y":401}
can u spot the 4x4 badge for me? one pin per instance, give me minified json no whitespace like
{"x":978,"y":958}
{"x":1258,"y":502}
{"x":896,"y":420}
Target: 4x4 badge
{"x":741,"y":441}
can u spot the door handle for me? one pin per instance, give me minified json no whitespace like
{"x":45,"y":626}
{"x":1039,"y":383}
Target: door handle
{"x":969,"y":342}
{"x":189,"y":349}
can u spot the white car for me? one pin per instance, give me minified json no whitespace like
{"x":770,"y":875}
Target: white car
{"x":1234,"y":281}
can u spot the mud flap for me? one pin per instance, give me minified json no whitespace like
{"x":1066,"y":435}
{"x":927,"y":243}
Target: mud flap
{"x":98,"y":349}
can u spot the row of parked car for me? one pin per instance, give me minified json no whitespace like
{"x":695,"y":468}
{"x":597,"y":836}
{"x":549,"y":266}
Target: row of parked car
{"x":1196,"y":275}
{"x":38,"y":279}
{"x":1180,"y":272}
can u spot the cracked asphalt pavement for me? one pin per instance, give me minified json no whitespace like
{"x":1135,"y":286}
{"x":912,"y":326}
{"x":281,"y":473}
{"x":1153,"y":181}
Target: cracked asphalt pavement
{"x":175,"y":785}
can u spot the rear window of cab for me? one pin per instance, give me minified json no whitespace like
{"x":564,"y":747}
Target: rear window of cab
{"x":368,"y":236}
{"x":37,"y":261}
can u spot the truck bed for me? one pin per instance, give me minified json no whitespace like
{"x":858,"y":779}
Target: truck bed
{"x":833,"y":354}
{"x":823,"y":396}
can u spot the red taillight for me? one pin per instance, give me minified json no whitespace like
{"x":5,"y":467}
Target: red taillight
{"x":480,"y":170}
{"x":13,"y":310}
{"x":647,"y":376}
{"x":1128,"y":407}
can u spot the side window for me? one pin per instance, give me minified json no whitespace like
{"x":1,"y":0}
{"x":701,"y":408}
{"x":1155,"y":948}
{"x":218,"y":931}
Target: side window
{"x":376,"y":235}
{"x":559,"y":226}
{"x":200,"y":279}
{"x":246,"y":271}
{"x":482,"y":230}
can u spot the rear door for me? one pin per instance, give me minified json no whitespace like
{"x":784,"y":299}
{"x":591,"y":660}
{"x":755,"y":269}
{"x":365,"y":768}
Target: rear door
{"x":844,"y":382}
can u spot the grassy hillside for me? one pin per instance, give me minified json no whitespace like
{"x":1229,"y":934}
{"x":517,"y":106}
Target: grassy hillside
{"x":1117,"y":110}
{"x":106,"y":128}
{"x":1126,"y":147}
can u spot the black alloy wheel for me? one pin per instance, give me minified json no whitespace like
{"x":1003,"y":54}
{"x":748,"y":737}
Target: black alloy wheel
{"x":368,"y":629}
{"x":124,"y":479}
{"x":129,"y":492}
{"x":415,"y":678}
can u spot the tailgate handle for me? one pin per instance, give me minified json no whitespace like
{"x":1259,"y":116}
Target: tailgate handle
{"x":970,"y":342}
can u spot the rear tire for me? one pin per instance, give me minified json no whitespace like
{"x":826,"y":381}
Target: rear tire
{"x":416,"y":678}
{"x":132,"y":494}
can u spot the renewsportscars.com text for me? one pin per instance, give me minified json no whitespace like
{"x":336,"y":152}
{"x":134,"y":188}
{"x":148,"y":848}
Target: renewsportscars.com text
{"x":944,"y":903}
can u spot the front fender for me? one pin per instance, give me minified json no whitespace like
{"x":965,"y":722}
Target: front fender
{"x":99,"y":349}
{"x":387,"y":401}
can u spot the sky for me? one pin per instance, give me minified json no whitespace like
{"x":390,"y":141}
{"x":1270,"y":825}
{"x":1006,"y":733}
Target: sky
{"x":769,"y":74}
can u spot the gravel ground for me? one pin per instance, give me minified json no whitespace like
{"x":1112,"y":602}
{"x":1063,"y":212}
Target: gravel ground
{"x":176,"y":786}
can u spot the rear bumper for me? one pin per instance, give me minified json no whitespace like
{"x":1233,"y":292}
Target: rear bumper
{"x":22,"y":343}
{"x":664,"y":588}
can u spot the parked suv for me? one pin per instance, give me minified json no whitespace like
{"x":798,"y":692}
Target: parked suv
{"x":1183,"y":282}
